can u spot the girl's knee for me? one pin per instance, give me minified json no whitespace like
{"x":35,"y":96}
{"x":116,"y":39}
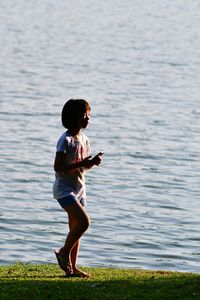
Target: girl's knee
{"x":78,"y":217}
{"x":85,"y":223}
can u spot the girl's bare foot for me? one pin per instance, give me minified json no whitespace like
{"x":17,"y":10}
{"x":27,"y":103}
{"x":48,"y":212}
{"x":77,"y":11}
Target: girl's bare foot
{"x":79,"y":273}
{"x":63,"y":263}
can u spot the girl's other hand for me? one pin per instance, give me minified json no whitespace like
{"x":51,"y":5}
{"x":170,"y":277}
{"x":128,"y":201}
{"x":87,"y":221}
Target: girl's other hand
{"x":87,"y":162}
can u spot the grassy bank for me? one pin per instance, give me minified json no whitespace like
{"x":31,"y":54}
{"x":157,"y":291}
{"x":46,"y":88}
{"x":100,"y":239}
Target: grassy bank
{"x":27,"y":282}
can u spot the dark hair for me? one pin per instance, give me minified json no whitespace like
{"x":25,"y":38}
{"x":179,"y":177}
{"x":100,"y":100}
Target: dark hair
{"x":72,"y":110}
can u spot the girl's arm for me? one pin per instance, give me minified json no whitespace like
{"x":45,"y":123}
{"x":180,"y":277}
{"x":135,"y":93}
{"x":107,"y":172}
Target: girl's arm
{"x":60,"y":164}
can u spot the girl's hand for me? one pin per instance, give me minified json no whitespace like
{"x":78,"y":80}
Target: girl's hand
{"x":97,"y":159}
{"x":89,"y":162}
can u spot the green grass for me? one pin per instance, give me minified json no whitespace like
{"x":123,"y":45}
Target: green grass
{"x":27,"y":282}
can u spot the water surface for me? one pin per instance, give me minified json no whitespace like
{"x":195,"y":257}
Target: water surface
{"x":138,"y":65}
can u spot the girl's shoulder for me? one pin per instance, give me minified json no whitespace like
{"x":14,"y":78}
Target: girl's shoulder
{"x":84,"y":137}
{"x":63,"y":139}
{"x":66,"y":138}
{"x":63,"y":136}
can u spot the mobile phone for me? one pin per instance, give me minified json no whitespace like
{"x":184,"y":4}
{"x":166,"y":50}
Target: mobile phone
{"x":101,"y":153}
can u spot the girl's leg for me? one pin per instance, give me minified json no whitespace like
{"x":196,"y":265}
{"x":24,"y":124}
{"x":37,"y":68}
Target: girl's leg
{"x":79,"y":222}
{"x":74,"y":254}
{"x":75,"y":249}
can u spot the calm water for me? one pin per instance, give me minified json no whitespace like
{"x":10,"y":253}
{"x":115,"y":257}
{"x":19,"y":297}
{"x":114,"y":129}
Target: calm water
{"x":138,"y":63}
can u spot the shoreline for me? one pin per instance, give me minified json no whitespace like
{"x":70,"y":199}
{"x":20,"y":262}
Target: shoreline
{"x":47,"y":281}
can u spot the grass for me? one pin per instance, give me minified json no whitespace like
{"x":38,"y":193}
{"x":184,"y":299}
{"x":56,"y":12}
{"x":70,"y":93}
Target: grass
{"x":28,"y":282}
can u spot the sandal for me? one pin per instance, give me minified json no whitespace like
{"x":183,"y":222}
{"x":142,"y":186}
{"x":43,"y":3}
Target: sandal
{"x":80,"y":274}
{"x":63,"y":263}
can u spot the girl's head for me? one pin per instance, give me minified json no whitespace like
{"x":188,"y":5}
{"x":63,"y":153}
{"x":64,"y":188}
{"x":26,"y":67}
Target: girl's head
{"x":75,"y":113}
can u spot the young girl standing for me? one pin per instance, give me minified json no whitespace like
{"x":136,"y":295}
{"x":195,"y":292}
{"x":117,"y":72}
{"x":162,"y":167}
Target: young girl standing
{"x":73,"y":158}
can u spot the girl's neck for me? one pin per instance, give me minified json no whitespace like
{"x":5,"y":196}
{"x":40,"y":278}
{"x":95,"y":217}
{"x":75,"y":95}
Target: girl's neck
{"x":74,"y":132}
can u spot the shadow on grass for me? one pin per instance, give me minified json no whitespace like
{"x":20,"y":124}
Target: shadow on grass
{"x":60,"y":287}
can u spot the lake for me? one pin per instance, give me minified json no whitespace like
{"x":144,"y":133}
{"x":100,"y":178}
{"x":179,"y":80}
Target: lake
{"x":138,"y":64}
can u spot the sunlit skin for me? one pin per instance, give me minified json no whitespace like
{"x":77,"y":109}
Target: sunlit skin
{"x":78,"y":217}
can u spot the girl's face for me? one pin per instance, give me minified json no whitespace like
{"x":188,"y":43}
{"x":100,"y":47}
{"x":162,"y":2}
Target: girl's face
{"x":84,"y":120}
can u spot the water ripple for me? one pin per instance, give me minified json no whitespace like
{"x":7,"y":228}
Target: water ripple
{"x":136,"y":64}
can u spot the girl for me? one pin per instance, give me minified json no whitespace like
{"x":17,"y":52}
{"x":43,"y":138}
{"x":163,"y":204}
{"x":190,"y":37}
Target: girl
{"x":73,"y":158}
